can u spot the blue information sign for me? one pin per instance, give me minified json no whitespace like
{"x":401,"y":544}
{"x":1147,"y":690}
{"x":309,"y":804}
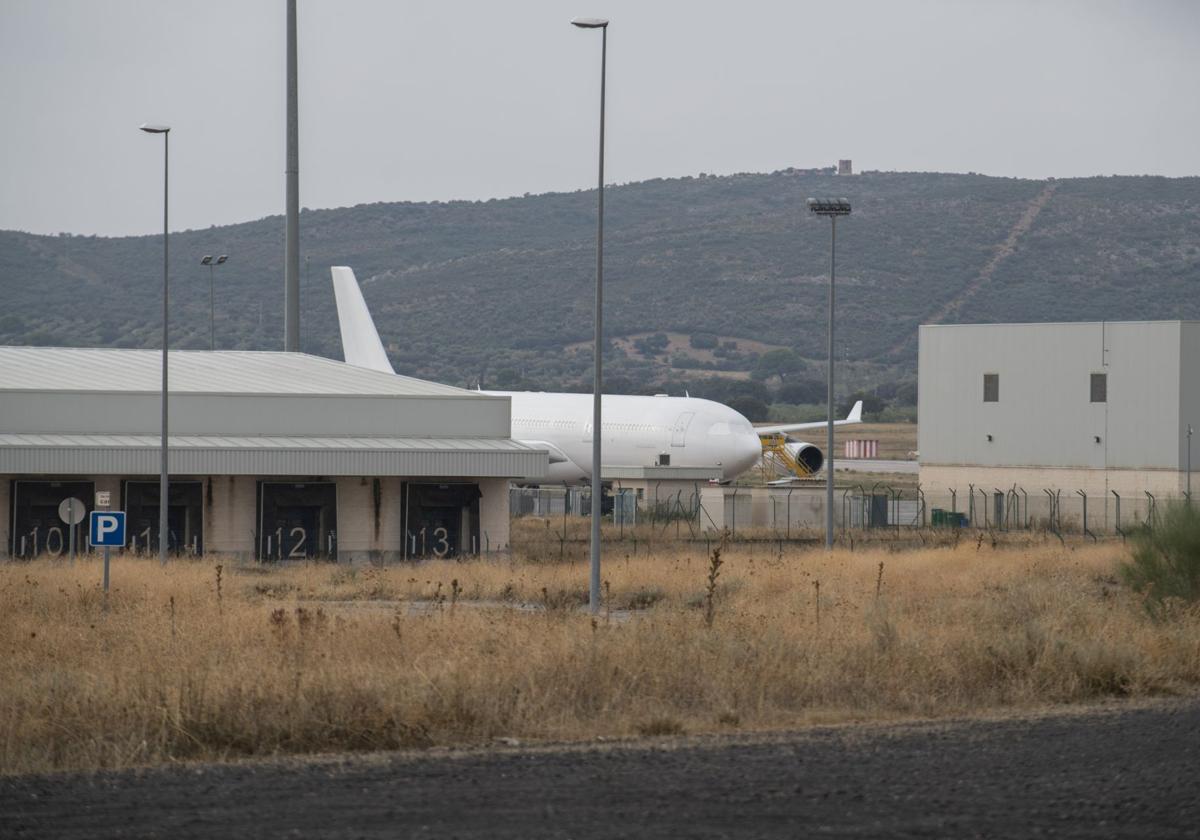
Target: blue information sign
{"x":107,"y":529}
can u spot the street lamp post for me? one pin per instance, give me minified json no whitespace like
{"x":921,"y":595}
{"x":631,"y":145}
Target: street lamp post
{"x":212,"y":307}
{"x":831,"y":208}
{"x":163,"y":486}
{"x":597,"y":484}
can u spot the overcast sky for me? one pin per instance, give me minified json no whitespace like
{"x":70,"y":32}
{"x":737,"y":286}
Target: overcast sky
{"x":479,"y":98}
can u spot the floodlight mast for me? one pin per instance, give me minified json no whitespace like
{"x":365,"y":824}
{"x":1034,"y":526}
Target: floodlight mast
{"x":291,"y":236}
{"x":163,"y":484}
{"x":212,"y":308}
{"x":597,"y":426}
{"x":831,"y":208}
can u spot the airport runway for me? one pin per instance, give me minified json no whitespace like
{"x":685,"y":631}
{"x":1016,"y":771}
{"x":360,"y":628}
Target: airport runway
{"x":1118,"y":771}
{"x":875,"y":465}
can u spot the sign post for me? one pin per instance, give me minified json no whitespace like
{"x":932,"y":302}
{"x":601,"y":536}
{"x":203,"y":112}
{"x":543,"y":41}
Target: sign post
{"x":107,"y":529}
{"x":102,"y":499}
{"x":70,"y":511}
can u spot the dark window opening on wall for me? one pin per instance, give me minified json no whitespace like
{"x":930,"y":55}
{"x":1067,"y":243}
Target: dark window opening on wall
{"x":297,"y":520}
{"x":441,"y":520}
{"x":185,"y":516}
{"x":36,"y":526}
{"x":1100,"y":387}
{"x":991,"y":387}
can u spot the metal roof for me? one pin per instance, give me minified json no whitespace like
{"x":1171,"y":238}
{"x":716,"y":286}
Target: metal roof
{"x":48,"y":454}
{"x":75,"y":369}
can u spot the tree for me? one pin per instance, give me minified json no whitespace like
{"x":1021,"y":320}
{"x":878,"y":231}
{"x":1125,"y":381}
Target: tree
{"x":725,"y":390}
{"x":617,"y":384}
{"x":652,"y":345}
{"x":508,"y":379}
{"x":906,"y":394}
{"x":871,"y":403}
{"x":752,"y":408}
{"x":781,"y":362}
{"x":801,"y":392}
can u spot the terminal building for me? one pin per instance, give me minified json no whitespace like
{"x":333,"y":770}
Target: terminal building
{"x":1098,"y":409}
{"x":272,"y":456}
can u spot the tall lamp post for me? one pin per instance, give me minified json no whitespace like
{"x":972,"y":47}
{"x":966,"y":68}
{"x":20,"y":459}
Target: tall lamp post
{"x":831,"y":208}
{"x":165,"y":131}
{"x":597,"y":484}
{"x":212,"y":307}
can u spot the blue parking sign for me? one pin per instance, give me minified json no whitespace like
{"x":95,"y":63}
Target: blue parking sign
{"x":107,"y":529}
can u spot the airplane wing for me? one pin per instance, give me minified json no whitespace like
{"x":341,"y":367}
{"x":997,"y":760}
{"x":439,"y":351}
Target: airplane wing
{"x":361,"y":345}
{"x":855,"y":416}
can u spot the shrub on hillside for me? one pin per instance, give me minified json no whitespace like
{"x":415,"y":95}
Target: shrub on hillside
{"x":1165,"y":562}
{"x":752,"y":408}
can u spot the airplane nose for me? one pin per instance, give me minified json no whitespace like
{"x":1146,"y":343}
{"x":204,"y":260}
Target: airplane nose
{"x":749,"y":450}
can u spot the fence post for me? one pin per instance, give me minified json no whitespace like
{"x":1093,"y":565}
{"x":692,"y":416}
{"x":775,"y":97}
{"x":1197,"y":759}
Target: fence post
{"x":566,"y":492}
{"x":789,"y":512}
{"x":1086,"y":531}
{"x":734,"y":529}
{"x":1050,"y":514}
{"x":896,"y":494}
{"x":1118,"y":513}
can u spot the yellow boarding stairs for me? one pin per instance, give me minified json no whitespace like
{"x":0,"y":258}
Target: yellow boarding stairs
{"x":777,"y":460}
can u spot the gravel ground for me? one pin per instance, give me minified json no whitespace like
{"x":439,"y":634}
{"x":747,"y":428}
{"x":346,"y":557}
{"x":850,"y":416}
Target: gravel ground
{"x":1113,"y":771}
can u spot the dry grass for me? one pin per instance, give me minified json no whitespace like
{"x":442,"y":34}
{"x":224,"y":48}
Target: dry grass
{"x":323,"y":658}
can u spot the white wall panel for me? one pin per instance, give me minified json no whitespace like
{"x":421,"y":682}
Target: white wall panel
{"x":1044,"y":416}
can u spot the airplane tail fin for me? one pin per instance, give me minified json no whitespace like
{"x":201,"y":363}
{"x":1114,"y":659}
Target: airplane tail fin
{"x":361,"y":345}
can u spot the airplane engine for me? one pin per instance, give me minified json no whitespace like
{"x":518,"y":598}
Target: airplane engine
{"x":807,"y":455}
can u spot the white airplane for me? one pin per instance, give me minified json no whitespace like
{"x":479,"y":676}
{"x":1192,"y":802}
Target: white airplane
{"x":637,"y":431}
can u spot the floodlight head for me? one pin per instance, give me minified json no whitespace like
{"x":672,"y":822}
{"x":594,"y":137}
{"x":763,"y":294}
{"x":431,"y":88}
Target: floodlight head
{"x":590,"y":23}
{"x":829,"y":206}
{"x":152,"y":128}
{"x":222,"y":258}
{"x":206,"y":260}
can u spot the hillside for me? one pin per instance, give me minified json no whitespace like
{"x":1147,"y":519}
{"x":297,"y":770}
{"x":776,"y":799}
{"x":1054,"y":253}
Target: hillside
{"x":708,"y":278}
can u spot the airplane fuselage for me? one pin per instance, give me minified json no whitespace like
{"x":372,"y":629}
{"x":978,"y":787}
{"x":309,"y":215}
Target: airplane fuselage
{"x":636,"y":431}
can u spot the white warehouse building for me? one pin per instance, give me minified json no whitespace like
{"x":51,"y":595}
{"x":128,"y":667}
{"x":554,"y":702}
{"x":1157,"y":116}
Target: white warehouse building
{"x":272,"y":455}
{"x":1083,"y":409}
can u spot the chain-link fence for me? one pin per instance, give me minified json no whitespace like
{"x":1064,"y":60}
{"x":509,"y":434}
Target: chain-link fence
{"x":1004,"y":509}
{"x":797,"y":513}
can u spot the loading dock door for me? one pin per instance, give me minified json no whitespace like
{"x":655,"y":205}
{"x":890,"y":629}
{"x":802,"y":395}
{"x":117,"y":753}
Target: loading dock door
{"x":185,"y":516}
{"x":36,"y":528}
{"x":297,"y":520}
{"x":441,"y":520}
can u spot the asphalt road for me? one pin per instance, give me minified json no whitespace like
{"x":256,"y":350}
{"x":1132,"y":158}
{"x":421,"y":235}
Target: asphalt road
{"x":1128,"y":772}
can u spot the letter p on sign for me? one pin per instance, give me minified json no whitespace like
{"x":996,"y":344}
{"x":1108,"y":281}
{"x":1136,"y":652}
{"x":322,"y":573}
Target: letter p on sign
{"x":107,"y":528}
